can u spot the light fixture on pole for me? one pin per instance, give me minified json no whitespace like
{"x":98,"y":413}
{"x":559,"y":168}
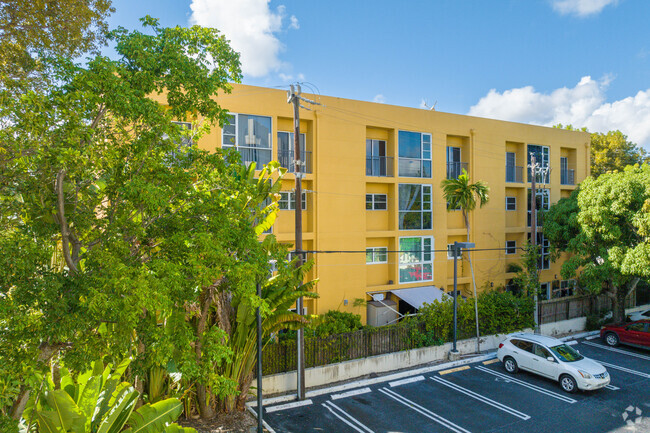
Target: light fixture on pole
{"x":457,"y":247}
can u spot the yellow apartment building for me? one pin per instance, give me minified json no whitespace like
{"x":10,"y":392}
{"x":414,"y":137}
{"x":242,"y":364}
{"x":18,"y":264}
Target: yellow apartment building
{"x":372,"y":197}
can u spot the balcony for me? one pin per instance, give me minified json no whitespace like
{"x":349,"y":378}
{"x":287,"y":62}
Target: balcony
{"x":514,"y":174}
{"x":286,"y":158}
{"x":260,"y":156}
{"x":567,"y":177}
{"x":379,"y":166}
{"x":455,"y":169}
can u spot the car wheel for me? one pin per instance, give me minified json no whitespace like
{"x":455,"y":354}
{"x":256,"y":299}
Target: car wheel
{"x":612,"y":339}
{"x":568,"y":383}
{"x":510,"y":365}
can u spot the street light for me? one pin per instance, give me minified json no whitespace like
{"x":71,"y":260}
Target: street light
{"x":457,"y":247}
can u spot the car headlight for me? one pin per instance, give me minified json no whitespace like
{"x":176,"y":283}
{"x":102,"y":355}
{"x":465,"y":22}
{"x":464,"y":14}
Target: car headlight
{"x":585,"y":374}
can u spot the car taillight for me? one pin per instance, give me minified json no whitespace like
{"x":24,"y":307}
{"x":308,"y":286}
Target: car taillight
{"x":500,"y":345}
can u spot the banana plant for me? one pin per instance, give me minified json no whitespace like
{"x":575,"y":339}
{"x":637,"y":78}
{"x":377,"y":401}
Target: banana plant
{"x":98,"y":402}
{"x":280,"y":293}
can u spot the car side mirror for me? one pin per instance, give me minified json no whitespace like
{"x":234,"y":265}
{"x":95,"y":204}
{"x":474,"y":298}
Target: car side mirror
{"x":550,"y":358}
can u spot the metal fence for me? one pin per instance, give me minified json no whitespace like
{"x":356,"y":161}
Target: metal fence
{"x":280,"y":357}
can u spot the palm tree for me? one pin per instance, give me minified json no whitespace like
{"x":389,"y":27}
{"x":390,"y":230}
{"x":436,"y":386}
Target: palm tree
{"x":460,"y":194}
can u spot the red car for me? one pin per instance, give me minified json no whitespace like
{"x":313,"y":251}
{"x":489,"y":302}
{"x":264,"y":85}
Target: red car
{"x":632,"y":333}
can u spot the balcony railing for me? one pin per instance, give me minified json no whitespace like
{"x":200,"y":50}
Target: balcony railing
{"x":567,"y":177}
{"x":285,"y":158}
{"x":260,"y":156}
{"x":379,"y":166}
{"x":514,"y":174}
{"x":455,"y":169}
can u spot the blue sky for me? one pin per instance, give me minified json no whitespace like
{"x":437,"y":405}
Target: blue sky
{"x":584,"y":62}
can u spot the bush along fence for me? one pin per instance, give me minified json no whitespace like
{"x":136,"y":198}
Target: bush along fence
{"x":499,"y":313}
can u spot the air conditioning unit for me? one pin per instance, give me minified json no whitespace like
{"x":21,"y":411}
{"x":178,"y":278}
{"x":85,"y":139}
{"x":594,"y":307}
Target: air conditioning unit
{"x":304,"y":310}
{"x":380,"y":313}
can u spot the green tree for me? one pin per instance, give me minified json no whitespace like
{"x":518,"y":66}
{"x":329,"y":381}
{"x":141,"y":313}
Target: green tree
{"x":113,"y":222}
{"x":605,"y":228}
{"x":610,"y":151}
{"x":463,"y":195}
{"x":35,"y":33}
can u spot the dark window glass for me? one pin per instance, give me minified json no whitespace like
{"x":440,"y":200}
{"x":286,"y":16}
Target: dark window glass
{"x":410,"y":144}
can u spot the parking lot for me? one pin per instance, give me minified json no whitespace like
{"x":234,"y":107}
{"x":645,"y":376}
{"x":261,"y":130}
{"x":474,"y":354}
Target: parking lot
{"x":480,"y":397}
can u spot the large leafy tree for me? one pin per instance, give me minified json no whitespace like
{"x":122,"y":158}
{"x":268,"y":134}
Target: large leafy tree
{"x":605,"y":226}
{"x":34,"y":33}
{"x":117,"y":232}
{"x":463,"y":195}
{"x":610,"y":151}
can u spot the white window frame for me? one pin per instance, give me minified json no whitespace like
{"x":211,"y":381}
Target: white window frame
{"x":375,"y":251}
{"x":242,"y":146}
{"x":426,"y":205}
{"x":426,"y":257}
{"x":373,"y":201}
{"x":545,"y":193}
{"x":543,"y":164}
{"x":511,"y":247}
{"x":513,"y":199}
{"x":425,"y":155}
{"x":289,"y":197}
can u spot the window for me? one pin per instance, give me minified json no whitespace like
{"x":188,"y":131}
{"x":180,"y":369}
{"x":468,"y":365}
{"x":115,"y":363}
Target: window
{"x":286,"y":151}
{"x":523,"y":345}
{"x":544,"y":261}
{"x":542,"y":351}
{"x":567,"y":176}
{"x":414,"y":207}
{"x":454,"y":166}
{"x":414,"y":154}
{"x":376,"y":202}
{"x":513,"y":173}
{"x":376,"y":160}
{"x":638,"y":327}
{"x":511,"y":247}
{"x":415,"y":259}
{"x":250,"y":136}
{"x":511,"y":203}
{"x":543,"y":203}
{"x":563,"y":288}
{"x":450,"y":252}
{"x":376,"y":255}
{"x":288,"y":200}
{"x":545,"y":291}
{"x":541,"y":158}
{"x":185,"y":140}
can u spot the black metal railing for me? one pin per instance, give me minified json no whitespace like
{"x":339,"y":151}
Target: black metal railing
{"x":379,"y":166}
{"x":567,"y":177}
{"x":260,"y":156}
{"x":286,"y":160}
{"x":455,"y":169}
{"x":514,"y":174}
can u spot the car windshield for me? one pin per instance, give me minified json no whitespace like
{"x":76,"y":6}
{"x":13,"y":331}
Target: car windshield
{"x":566,"y":353}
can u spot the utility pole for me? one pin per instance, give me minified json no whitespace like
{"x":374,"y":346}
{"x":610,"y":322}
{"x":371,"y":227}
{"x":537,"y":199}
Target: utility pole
{"x":294,"y":97}
{"x":535,"y":170}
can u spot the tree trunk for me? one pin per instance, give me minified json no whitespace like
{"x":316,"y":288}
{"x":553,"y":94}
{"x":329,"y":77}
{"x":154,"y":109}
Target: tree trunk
{"x":618,"y":299}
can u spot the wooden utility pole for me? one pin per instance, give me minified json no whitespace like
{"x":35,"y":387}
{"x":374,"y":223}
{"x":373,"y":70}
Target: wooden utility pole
{"x":294,"y":98}
{"x":533,"y":226}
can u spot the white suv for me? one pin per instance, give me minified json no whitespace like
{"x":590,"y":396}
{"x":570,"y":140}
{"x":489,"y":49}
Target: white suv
{"x":552,"y":358}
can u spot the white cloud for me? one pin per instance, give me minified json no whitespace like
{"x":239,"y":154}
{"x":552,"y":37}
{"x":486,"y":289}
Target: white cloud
{"x":582,"y":105}
{"x":379,"y":98}
{"x":252,"y":28}
{"x":581,"y":8}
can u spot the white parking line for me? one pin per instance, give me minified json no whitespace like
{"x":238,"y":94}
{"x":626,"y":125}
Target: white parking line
{"x":612,"y":387}
{"x":479,"y":397}
{"x":288,"y":406}
{"x":613,"y":349}
{"x":571,"y":343}
{"x":424,"y":411}
{"x":405,"y":381}
{"x":351,"y":393}
{"x":346,"y":418}
{"x":526,"y":385}
{"x":627,"y":370}
{"x":592,"y":337}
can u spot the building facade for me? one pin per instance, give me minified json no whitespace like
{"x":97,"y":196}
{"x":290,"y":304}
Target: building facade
{"x":372,"y":195}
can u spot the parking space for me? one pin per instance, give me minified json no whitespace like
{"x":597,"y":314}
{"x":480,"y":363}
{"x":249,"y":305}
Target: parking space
{"x":480,"y":397}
